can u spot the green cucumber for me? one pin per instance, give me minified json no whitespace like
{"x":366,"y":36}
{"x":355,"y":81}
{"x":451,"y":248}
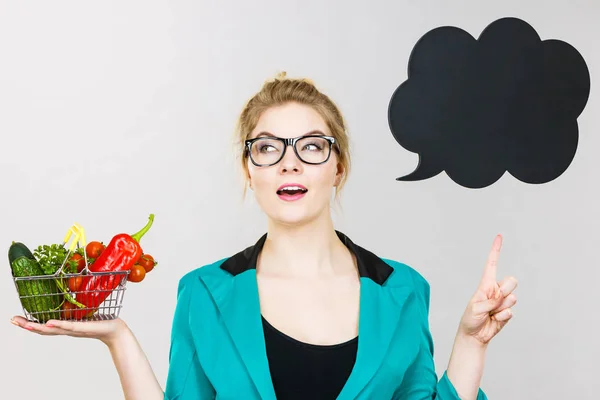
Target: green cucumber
{"x":47,"y":298}
{"x":18,"y":249}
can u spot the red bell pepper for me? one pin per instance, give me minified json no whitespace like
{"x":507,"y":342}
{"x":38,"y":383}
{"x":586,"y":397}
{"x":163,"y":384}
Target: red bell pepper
{"x":121,"y":254}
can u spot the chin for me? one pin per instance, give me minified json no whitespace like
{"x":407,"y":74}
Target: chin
{"x":292,"y":216}
{"x":294,"y":213}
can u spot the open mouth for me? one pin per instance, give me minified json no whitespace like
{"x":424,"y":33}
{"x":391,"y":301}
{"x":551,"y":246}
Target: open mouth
{"x":291,"y":192}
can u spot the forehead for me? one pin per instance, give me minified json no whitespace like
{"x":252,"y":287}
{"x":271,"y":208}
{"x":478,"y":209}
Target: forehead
{"x":290,"y":120}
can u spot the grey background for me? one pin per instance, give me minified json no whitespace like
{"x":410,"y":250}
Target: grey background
{"x":111,"y":110}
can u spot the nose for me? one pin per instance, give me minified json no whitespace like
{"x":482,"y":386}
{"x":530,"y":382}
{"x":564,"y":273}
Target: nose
{"x":290,"y":162}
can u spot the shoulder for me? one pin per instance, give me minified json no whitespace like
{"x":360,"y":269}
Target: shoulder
{"x":192,"y":283}
{"x":405,"y":275}
{"x":193,"y":291}
{"x":212,"y":269}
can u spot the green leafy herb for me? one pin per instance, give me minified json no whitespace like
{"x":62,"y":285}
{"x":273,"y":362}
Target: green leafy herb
{"x":51,"y":257}
{"x":81,"y":252}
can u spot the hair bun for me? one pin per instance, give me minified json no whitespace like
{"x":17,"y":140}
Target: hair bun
{"x":282,"y":75}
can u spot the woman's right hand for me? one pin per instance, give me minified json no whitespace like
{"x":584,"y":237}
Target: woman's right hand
{"x":105,"y":331}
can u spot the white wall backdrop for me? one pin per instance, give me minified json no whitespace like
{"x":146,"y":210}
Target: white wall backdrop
{"x":113,"y":110}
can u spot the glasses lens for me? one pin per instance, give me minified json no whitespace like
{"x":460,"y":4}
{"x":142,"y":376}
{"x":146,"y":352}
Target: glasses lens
{"x":266,"y":151}
{"x":313,"y":149}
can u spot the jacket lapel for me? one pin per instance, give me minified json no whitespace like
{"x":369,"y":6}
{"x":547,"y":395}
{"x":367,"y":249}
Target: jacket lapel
{"x":234,"y":289}
{"x":237,"y":300}
{"x":380,"y":310}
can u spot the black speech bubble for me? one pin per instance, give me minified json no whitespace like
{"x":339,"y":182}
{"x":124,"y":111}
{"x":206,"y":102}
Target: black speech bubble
{"x":476,"y":108}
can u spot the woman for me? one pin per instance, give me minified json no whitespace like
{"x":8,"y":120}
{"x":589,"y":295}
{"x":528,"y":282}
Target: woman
{"x":304,"y":312}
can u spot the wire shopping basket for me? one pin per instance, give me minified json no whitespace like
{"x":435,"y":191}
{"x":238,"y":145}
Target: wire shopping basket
{"x":83,"y":296}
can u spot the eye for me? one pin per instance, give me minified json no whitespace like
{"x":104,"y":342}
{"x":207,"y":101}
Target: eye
{"x":313,"y":146}
{"x":265,"y":148}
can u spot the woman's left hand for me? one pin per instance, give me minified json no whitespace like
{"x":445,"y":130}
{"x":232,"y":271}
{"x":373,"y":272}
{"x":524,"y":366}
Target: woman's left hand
{"x":490,"y":307}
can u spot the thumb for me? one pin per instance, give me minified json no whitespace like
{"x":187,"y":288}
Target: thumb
{"x":486,"y":306}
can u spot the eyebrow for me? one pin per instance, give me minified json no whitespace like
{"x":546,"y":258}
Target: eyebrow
{"x":269,"y":134}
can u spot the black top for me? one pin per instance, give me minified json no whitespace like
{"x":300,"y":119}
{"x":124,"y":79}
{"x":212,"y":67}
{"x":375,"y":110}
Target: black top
{"x":306,"y":371}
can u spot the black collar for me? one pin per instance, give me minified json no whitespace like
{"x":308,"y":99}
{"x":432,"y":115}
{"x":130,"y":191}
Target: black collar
{"x":369,"y":265}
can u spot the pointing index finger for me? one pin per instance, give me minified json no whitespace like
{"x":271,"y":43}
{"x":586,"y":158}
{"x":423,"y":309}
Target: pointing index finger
{"x":489,"y":273}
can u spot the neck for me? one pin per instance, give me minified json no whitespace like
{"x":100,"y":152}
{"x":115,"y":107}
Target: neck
{"x":309,"y":250}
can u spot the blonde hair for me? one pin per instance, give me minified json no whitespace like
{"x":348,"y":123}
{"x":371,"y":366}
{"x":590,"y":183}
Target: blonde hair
{"x":279,"y":91}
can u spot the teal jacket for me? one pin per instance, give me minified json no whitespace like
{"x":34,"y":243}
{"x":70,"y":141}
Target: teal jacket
{"x":218,"y":350}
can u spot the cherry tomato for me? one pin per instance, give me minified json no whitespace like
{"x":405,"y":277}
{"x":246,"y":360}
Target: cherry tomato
{"x":76,"y":257}
{"x":94,"y":249}
{"x":67,"y":310}
{"x":75,"y":283}
{"x":146,"y":261}
{"x":137,"y":273}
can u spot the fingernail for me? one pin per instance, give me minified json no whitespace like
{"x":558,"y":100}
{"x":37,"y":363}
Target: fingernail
{"x":12,"y":321}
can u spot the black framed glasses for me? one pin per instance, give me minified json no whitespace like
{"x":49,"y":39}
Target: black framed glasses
{"x":310,"y":149}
